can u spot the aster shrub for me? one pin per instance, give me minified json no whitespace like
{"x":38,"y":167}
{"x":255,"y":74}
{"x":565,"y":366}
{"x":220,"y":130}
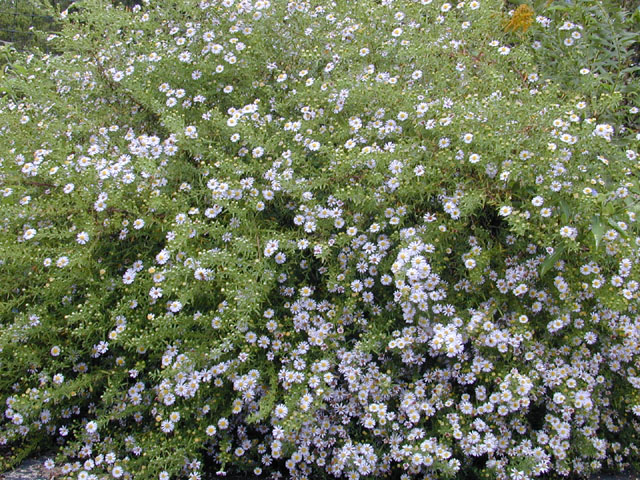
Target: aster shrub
{"x":328,"y":240}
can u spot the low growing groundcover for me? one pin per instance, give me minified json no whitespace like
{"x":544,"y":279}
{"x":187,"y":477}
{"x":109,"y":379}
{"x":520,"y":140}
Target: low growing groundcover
{"x":318,"y":240}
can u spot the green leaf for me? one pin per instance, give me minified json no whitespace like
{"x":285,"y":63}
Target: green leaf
{"x":550,"y":261}
{"x":631,"y":69}
{"x":19,"y":69}
{"x":597,"y":228}
{"x":566,"y":211}
{"x":614,"y":224}
{"x":266,"y":403}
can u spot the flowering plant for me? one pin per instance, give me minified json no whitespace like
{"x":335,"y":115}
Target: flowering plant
{"x":350,"y":240}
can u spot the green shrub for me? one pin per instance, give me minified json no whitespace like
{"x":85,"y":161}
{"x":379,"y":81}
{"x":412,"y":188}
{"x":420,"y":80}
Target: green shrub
{"x":350,"y":239}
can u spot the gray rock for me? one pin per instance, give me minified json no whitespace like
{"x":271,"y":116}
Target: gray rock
{"x":32,"y":469}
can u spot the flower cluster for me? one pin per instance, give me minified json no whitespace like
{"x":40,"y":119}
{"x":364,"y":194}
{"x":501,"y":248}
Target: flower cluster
{"x":357,"y":239}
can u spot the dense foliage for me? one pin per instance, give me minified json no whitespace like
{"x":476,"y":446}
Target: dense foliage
{"x":23,"y":22}
{"x":596,"y":53}
{"x":347,"y":239}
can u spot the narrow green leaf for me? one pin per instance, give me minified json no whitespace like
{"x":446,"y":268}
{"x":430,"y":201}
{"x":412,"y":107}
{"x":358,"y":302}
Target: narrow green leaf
{"x":613,"y":223}
{"x":19,"y":69}
{"x":631,"y":69}
{"x":566,"y":211}
{"x":597,"y":228}
{"x":551,"y":260}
